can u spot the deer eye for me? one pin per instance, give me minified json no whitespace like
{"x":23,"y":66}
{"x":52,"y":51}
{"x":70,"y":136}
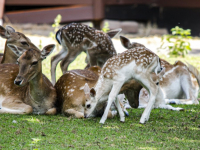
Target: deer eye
{"x":88,"y":105}
{"x":24,"y":43}
{"x":157,"y":83}
{"x":34,"y":63}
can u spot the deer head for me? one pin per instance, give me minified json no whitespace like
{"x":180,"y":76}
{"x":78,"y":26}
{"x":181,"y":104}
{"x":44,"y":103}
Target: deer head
{"x":14,"y":38}
{"x":90,"y":100}
{"x":127,"y":44}
{"x":157,"y":77}
{"x":29,"y":62}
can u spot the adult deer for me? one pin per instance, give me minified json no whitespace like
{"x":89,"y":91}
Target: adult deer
{"x":73,"y":91}
{"x":24,"y":89}
{"x":180,"y":83}
{"x":14,"y":38}
{"x":136,"y":63}
{"x":75,"y":38}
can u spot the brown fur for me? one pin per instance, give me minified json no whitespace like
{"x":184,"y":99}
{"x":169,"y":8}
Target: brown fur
{"x":35,"y":93}
{"x":14,"y":38}
{"x":70,"y":90}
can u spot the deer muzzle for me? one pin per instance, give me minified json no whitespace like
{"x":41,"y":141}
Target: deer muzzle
{"x":18,"y":80}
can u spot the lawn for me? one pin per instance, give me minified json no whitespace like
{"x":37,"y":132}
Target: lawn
{"x":165,"y":129}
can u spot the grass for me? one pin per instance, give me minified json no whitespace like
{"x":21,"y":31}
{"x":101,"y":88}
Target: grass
{"x":165,"y":129}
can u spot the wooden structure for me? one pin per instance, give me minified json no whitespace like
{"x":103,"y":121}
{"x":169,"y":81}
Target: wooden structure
{"x":44,"y":11}
{"x":73,"y":10}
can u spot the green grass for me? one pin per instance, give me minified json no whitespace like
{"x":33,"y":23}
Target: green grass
{"x":165,"y":129}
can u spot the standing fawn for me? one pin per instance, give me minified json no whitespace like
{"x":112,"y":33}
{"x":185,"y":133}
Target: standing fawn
{"x":180,"y":83}
{"x":136,"y":63}
{"x":24,"y":89}
{"x":73,"y":91}
{"x":14,"y":38}
{"x":75,"y":38}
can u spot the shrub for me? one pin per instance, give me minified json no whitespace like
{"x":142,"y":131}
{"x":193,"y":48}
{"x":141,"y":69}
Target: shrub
{"x":177,"y":42}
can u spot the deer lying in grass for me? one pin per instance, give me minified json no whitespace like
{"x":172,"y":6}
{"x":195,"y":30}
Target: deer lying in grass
{"x":14,"y":38}
{"x":24,"y":89}
{"x":159,"y":103}
{"x":180,"y":83}
{"x":75,"y":38}
{"x":136,"y":63}
{"x":73,"y":91}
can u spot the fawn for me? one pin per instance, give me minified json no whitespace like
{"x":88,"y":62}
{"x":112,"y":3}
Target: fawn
{"x":75,"y":38}
{"x":136,"y":63}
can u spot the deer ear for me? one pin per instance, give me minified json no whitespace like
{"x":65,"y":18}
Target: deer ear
{"x":125,"y":42}
{"x":113,"y":33}
{"x":86,"y":88}
{"x":10,"y":29}
{"x":6,"y":32}
{"x":3,"y":32}
{"x":47,"y":50}
{"x":92,"y":92}
{"x":17,"y":50}
{"x":58,"y":36}
{"x":153,"y":65}
{"x":162,"y":72}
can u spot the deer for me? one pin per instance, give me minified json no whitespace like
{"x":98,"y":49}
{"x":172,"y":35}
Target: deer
{"x":73,"y":90}
{"x":76,"y":38}
{"x":14,"y":38}
{"x":180,"y":83}
{"x":136,"y":63}
{"x":24,"y":89}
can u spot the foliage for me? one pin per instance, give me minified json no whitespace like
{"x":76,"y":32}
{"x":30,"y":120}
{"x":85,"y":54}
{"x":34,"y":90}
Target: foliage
{"x":105,"y":27}
{"x":56,"y":26}
{"x":177,"y":42}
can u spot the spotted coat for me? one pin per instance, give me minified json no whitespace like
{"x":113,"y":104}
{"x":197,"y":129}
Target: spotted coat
{"x":141,"y":55}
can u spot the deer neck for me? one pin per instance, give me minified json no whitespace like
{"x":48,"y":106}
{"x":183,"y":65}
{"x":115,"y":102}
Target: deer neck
{"x":9,"y":56}
{"x":36,"y":88}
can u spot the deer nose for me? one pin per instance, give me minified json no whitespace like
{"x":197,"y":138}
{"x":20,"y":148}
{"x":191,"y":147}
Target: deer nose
{"x":17,"y":82}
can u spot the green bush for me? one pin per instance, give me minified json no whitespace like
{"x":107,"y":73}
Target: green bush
{"x":177,"y":42}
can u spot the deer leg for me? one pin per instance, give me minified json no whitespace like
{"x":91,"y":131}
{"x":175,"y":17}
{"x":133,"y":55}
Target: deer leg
{"x":11,"y":106}
{"x":76,"y":114}
{"x":152,"y":89}
{"x":178,"y":101}
{"x":54,"y":62}
{"x":160,"y":102}
{"x":112,"y":113}
{"x":51,"y":111}
{"x":112,"y":96}
{"x":170,"y":107}
{"x":71,"y":56}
